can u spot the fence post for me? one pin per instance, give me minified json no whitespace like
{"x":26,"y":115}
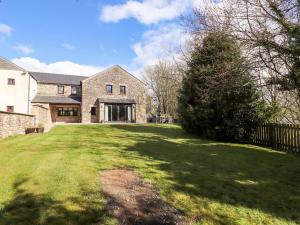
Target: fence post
{"x":272,"y":135}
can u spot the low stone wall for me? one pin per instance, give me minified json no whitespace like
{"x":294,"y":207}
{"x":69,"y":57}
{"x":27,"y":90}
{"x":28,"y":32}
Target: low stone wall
{"x":43,"y":115}
{"x":14,"y":123}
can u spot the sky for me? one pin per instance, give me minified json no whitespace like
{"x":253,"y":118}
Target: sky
{"x":83,"y":37}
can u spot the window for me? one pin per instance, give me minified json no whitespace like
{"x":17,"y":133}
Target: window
{"x":122,"y":89}
{"x":109,"y":89}
{"x":9,"y":108}
{"x":61,"y":89}
{"x":11,"y":81}
{"x":68,"y":112}
{"x":74,"y":90}
{"x":60,"y":112}
{"x":93,"y":111}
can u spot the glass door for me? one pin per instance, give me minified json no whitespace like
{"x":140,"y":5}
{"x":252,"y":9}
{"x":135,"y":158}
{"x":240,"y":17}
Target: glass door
{"x":118,"y":113}
{"x":115,"y":113}
{"x":107,"y":113}
{"x":122,"y":113}
{"x":129,"y":113}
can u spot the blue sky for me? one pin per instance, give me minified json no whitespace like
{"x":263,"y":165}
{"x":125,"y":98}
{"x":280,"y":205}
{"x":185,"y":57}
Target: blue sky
{"x":84,"y":36}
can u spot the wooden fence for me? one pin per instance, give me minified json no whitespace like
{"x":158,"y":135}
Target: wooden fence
{"x":284,"y":137}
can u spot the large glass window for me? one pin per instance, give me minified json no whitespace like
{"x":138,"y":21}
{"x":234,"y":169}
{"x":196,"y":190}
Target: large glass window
{"x":109,"y":89}
{"x":61,"y":89}
{"x":122,"y":113}
{"x":64,"y":111}
{"x":115,"y":112}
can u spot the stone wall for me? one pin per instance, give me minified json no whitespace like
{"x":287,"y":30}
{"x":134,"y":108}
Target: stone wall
{"x":43,"y":115}
{"x":48,"y":114}
{"x":95,"y":87}
{"x":52,"y":90}
{"x":14,"y":123}
{"x":64,"y":119}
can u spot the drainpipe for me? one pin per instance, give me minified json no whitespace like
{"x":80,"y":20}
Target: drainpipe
{"x":28,"y":102}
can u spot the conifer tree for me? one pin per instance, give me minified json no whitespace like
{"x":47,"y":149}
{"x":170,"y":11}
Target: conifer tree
{"x":218,"y":98}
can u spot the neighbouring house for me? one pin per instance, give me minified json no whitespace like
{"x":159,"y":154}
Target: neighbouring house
{"x":17,"y":88}
{"x":113,"y":95}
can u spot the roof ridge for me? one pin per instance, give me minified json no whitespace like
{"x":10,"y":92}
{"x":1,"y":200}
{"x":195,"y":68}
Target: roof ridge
{"x":61,"y":74}
{"x":12,"y":64}
{"x":52,"y":78}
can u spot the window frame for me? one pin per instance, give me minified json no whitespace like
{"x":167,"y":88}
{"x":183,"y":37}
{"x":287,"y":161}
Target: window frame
{"x":73,"y":87}
{"x":67,"y":112}
{"x":60,"y":111}
{"x":109,"y":85}
{"x":75,"y":112}
{"x":10,"y":108}
{"x":93,"y":113}
{"x":11,"y":81}
{"x":123,"y":86}
{"x":58,"y":89}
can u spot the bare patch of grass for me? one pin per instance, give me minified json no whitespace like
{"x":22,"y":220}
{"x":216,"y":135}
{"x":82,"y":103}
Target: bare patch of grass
{"x":133,"y":201}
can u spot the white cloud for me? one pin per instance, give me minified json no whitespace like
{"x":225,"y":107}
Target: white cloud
{"x":68,"y":46}
{"x":153,"y":11}
{"x":205,"y":4}
{"x":5,"y":29}
{"x":146,"y":12}
{"x":25,"y":49}
{"x":64,"y":67}
{"x":164,"y":42}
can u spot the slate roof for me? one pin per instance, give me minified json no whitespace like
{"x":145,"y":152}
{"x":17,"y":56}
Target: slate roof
{"x":57,"y":99}
{"x":52,"y":78}
{"x":117,"y":100}
{"x":8,"y":65}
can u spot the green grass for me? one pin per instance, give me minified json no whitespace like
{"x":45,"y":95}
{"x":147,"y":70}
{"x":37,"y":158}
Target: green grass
{"x":54,"y":178}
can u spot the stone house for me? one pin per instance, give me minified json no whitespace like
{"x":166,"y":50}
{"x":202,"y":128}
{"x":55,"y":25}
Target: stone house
{"x":113,"y":95}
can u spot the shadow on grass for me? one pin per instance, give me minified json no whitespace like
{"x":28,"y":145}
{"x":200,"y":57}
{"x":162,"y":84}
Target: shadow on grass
{"x":238,"y":175}
{"x":170,"y":131}
{"x":31,"y":209}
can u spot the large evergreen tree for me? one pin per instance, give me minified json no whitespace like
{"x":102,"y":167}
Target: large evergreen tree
{"x":218,"y":99}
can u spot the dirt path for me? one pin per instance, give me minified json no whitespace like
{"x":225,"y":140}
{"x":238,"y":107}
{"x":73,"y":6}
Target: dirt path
{"x":135,"y":202}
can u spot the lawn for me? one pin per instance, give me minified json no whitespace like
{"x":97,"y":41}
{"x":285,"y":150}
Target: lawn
{"x":54,"y":178}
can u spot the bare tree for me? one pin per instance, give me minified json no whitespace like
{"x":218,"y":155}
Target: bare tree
{"x":164,"y":80}
{"x":288,"y":101}
{"x":268,"y":32}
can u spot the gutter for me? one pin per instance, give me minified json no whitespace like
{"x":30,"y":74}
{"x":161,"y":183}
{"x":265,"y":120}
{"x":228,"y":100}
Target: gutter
{"x":28,"y":107}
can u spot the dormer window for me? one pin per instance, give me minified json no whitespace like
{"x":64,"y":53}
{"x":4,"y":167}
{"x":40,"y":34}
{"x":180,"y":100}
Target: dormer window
{"x":109,"y":89}
{"x":122,"y":90}
{"x":74,"y":90}
{"x":11,"y":81}
{"x":61,"y":89}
